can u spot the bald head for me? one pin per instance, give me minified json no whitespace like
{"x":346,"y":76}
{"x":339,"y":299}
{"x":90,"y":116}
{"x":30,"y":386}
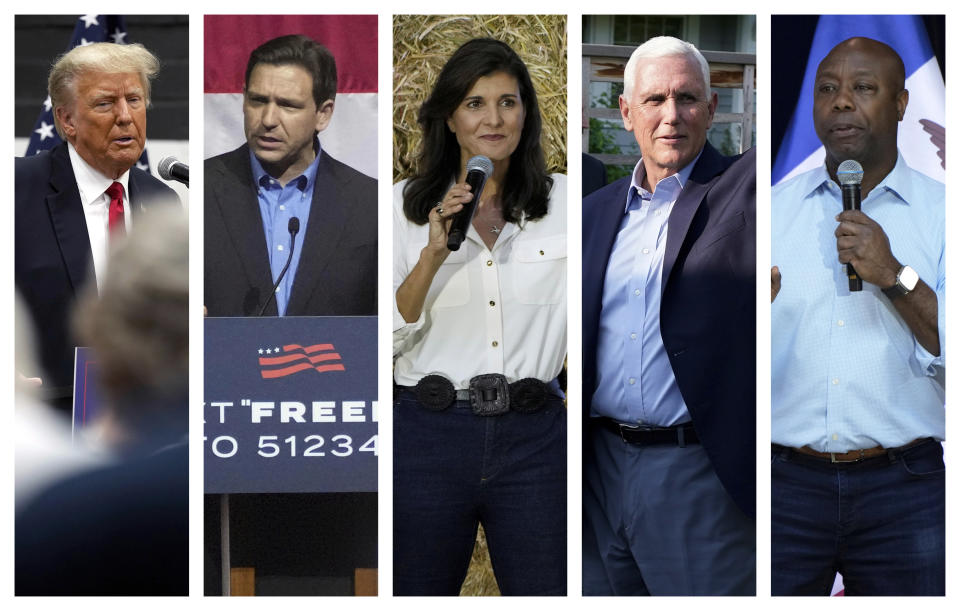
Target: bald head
{"x":858,"y":102}
{"x":887,"y":61}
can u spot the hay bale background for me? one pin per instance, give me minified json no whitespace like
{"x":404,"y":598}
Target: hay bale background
{"x":423,"y":43}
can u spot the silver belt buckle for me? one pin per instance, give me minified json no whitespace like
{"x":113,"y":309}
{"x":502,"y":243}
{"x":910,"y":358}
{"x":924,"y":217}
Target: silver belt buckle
{"x":833,"y":458}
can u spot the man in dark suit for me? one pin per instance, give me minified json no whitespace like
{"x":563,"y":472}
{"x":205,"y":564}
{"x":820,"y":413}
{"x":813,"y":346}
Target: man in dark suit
{"x":72,"y":200}
{"x":669,"y":348}
{"x":253,"y":194}
{"x":594,"y":174}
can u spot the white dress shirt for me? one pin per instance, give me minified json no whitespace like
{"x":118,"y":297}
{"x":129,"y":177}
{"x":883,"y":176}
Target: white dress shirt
{"x":487,"y":311}
{"x":96,"y":208}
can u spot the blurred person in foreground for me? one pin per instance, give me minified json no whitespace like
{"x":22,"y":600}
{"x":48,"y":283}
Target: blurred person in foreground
{"x":122,"y":529}
{"x":479,"y":340}
{"x":72,"y":201}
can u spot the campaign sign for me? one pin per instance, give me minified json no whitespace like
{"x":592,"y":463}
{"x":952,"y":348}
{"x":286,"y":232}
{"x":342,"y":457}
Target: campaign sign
{"x":290,"y":404}
{"x":86,"y":392}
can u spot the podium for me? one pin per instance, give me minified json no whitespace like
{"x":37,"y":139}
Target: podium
{"x":289,"y":407}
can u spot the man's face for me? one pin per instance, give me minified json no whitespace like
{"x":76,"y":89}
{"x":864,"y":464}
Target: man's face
{"x":280,"y":117}
{"x":107,"y":120}
{"x":669,"y":112}
{"x":858,"y":101}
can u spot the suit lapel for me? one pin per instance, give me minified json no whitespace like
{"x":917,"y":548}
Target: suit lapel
{"x":325,"y":228}
{"x":704,"y":173}
{"x":236,"y":196}
{"x":66,"y":213}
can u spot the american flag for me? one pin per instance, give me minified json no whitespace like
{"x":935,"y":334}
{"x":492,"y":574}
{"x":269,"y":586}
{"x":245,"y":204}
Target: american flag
{"x":89,"y":28}
{"x":294,"y":358}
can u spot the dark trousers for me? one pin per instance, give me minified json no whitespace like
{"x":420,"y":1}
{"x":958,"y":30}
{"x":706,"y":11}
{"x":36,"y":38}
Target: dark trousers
{"x":879,"y":523}
{"x":657,"y":521}
{"x":453,"y":470}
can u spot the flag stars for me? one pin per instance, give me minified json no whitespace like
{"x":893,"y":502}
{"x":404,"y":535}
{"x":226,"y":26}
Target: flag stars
{"x":260,"y":351}
{"x":276,"y":349}
{"x":47,"y":104}
{"x":45,"y":131}
{"x":89,"y":20}
{"x":118,"y":36}
{"x":84,"y":42}
{"x":142,"y":166}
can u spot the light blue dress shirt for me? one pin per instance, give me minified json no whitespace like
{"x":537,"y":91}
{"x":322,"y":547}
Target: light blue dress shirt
{"x":277,"y":206}
{"x":847,"y":372}
{"x":635,"y":382}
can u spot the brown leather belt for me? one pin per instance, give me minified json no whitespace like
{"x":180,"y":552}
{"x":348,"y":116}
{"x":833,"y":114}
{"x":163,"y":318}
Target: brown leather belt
{"x":854,"y":456}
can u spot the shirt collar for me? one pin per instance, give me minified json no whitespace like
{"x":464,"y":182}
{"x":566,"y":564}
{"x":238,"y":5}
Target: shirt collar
{"x":90,"y":182}
{"x":304,"y":182}
{"x":640,"y":172}
{"x":898,"y":182}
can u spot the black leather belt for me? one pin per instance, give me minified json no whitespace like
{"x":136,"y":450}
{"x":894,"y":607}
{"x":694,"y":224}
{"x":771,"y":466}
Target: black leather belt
{"x":680,"y":434}
{"x":489,"y":394}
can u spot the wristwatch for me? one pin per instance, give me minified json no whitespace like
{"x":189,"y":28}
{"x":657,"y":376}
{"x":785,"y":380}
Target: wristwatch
{"x":907,"y":280}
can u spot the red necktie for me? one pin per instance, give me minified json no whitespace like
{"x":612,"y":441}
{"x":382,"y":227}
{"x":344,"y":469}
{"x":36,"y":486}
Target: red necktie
{"x":117,"y":228}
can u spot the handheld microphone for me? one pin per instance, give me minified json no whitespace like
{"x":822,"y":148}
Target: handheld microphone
{"x":479,"y":168}
{"x":171,"y":169}
{"x":293,"y":226}
{"x":850,"y":175}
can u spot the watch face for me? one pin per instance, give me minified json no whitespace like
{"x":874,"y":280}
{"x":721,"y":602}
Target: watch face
{"x":908,"y":278}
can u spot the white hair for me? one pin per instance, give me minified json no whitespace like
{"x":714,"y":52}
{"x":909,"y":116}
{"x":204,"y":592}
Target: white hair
{"x":664,"y":46}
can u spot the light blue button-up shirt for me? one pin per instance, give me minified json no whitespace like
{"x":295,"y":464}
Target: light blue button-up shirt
{"x":277,"y":206}
{"x":847,"y":372}
{"x":635,"y":382}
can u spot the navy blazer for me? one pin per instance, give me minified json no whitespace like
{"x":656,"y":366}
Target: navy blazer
{"x":337,"y":272}
{"x":53,"y":260}
{"x":707,"y":309}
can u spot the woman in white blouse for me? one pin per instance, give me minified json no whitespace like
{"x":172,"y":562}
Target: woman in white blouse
{"x":479,"y":339}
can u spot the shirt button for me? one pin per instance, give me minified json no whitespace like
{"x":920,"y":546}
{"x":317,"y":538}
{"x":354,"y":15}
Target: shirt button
{"x":492,"y":303}
{"x":273,"y":182}
{"x":632,"y":381}
{"x":636,"y":292}
{"x":279,"y":246}
{"x":489,"y":262}
{"x":835,"y":437}
{"x":633,"y":336}
{"x":541,"y":253}
{"x":495,"y":343}
{"x":646,"y":251}
{"x":835,"y":381}
{"x":839,"y":323}
{"x":282,"y":207}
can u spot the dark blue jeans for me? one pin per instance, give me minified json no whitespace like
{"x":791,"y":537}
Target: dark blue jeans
{"x":879,"y":523}
{"x":453,"y":470}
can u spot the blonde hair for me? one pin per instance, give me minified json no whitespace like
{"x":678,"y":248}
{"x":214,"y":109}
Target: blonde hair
{"x":97,"y":57}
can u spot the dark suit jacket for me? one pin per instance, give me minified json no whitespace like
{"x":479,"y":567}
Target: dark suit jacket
{"x":52,"y":251}
{"x":594,"y":174}
{"x":337,"y":273}
{"x":116,"y":530}
{"x":707,"y":309}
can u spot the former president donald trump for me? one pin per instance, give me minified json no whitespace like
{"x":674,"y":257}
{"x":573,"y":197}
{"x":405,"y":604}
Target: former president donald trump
{"x":73,"y":200}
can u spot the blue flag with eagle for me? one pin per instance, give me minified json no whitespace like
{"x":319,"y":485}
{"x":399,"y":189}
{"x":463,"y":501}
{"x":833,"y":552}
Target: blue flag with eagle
{"x":89,"y":29}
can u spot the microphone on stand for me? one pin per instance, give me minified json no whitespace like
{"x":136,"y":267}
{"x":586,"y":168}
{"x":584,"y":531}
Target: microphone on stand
{"x":171,"y":169}
{"x":850,"y":175}
{"x":479,"y":168}
{"x":293,"y":226}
